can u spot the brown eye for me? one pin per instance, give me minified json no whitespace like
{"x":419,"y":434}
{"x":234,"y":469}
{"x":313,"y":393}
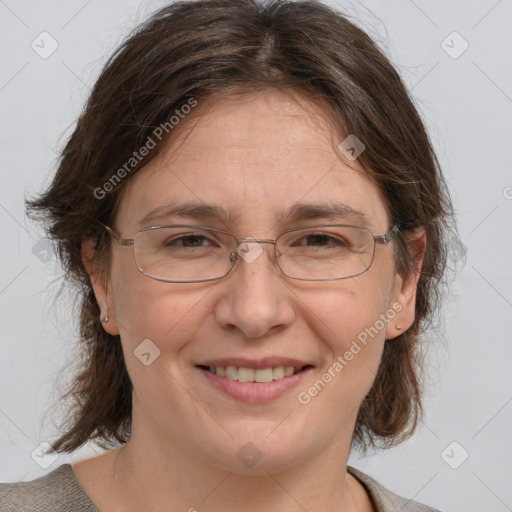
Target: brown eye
{"x":187,"y":241}
{"x":320,"y":239}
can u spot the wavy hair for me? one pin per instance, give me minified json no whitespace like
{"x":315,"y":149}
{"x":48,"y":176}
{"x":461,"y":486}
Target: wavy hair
{"x":199,"y":48}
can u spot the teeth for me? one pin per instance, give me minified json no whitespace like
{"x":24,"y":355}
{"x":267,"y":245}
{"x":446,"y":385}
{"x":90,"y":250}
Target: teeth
{"x":264,"y":375}
{"x":231,"y":373}
{"x":278,"y":372}
{"x":251,"y":375}
{"x":245,"y":375}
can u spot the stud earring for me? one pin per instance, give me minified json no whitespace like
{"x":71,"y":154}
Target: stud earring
{"x":398,"y":327}
{"x":104,"y":319}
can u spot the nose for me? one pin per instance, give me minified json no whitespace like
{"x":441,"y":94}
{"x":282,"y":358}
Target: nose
{"x":255,"y":299}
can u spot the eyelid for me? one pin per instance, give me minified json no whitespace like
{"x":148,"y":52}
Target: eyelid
{"x":211,"y":230}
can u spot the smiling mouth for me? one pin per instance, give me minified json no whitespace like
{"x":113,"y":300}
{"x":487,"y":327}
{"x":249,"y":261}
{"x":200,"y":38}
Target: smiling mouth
{"x":243,"y":374}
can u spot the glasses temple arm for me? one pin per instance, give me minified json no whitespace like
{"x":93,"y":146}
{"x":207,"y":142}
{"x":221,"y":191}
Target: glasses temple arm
{"x":384,"y":239}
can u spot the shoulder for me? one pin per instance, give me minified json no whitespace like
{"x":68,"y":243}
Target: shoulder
{"x":384,"y":500}
{"x":58,"y":491}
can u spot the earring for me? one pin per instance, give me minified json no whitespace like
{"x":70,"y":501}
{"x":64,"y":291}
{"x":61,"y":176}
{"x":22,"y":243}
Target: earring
{"x":104,"y":319}
{"x":397,"y":327}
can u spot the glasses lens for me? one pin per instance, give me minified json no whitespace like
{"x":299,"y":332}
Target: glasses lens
{"x":325,"y":252}
{"x":183,"y":253}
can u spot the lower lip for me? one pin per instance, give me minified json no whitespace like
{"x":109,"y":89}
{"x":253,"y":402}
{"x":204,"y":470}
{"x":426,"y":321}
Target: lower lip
{"x":254,"y":392}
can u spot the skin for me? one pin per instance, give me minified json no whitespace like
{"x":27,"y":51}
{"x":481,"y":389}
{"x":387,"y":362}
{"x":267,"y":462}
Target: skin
{"x":254,"y":157}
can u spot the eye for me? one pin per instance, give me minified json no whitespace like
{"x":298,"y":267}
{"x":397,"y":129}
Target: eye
{"x":189,"y":240}
{"x":320,"y":239}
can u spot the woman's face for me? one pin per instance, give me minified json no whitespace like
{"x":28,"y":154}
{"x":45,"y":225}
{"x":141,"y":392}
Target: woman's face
{"x":254,"y":160}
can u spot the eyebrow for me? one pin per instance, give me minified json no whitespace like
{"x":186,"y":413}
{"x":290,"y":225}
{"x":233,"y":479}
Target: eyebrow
{"x":298,"y":212}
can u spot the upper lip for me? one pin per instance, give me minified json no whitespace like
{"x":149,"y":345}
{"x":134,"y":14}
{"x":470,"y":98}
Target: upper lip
{"x":266,"y":362}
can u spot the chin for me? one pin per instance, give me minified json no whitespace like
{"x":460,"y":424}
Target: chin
{"x":256,"y":452}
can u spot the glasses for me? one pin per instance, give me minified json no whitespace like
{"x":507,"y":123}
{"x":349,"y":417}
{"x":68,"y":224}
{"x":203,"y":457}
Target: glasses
{"x":189,"y":254}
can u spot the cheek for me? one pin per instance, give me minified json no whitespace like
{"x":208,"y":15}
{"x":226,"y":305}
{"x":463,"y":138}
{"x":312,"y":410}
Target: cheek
{"x":351,"y":323}
{"x":167,"y":314}
{"x":347,"y":309}
{"x":157,"y":322}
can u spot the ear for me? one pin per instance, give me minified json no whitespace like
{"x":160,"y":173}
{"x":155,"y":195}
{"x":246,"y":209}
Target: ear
{"x":102,"y":292}
{"x":404,"y":291}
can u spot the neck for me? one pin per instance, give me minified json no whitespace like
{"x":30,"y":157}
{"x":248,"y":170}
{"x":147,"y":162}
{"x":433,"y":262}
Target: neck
{"x":147,"y":476}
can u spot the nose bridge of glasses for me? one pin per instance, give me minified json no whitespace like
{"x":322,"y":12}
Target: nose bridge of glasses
{"x":250,"y":253}
{"x":256,"y":240}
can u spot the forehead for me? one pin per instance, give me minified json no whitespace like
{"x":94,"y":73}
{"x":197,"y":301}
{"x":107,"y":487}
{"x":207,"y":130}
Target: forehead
{"x":255,"y":156}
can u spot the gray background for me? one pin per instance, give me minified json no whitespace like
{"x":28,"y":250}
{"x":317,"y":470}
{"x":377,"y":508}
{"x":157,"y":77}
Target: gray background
{"x":466,"y":100}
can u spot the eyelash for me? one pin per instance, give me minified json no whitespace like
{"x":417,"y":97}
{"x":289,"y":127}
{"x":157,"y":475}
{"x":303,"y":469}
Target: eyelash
{"x":325,"y":236}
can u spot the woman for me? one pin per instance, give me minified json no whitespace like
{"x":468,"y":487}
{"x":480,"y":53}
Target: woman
{"x":255,"y":220}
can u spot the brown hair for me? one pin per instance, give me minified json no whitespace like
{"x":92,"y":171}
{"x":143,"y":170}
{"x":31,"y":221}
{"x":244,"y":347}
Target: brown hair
{"x":187,"y":52}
